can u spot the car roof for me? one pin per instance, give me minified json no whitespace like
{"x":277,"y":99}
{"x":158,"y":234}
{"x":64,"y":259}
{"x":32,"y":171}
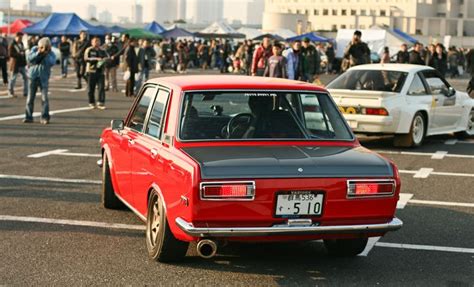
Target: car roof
{"x":409,"y":68}
{"x":233,"y":82}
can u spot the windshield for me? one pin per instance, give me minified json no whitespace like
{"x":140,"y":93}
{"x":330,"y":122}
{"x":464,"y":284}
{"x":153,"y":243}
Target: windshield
{"x":370,"y":80}
{"x":261,"y":115}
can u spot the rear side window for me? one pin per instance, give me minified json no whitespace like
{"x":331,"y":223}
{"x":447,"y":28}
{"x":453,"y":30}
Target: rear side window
{"x":154,"y":127}
{"x":417,"y":88}
{"x":137,"y":120}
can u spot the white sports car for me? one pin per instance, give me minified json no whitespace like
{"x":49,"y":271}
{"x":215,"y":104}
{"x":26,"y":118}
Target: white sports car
{"x":409,"y":101}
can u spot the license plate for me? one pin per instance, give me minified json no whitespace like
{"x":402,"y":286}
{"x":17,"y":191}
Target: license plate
{"x":352,"y":124}
{"x":299,"y":203}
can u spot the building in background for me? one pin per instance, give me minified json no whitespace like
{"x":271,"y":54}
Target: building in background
{"x":205,"y":11}
{"x":32,"y":6}
{"x":137,"y":13}
{"x":181,"y":9}
{"x":422,"y":17}
{"x":105,"y":17}
{"x":91,"y":12}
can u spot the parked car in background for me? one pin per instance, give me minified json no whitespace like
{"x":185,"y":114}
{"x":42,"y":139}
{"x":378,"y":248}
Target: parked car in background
{"x":208,"y":159}
{"x":408,"y":101}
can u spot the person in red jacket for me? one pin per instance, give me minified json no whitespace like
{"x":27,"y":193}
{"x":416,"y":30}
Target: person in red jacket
{"x":261,"y":56}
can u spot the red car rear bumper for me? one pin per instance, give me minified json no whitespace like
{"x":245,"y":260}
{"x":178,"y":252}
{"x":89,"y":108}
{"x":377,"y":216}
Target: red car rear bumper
{"x":283,"y":229}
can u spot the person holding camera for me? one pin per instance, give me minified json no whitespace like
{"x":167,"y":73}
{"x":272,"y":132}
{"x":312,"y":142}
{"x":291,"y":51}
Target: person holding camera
{"x":96,"y":57}
{"x":40,"y":61}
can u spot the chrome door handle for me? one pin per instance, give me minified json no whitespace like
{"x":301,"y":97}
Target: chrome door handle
{"x":131,"y":141}
{"x":154,"y":153}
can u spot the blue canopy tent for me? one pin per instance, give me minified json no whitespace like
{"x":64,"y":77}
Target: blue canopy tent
{"x":313,"y":37}
{"x":111,"y":30}
{"x":154,"y":28}
{"x":177,"y":33}
{"x":405,"y":36}
{"x":58,"y":24}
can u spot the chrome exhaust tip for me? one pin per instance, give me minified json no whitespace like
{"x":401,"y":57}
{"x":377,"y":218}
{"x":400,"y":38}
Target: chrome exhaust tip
{"x":207,"y":248}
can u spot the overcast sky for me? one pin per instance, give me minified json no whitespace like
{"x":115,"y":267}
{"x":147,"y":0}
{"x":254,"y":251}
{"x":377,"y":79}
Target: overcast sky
{"x":118,"y":8}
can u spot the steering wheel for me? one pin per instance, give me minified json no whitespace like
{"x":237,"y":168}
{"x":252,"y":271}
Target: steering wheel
{"x":235,"y":124}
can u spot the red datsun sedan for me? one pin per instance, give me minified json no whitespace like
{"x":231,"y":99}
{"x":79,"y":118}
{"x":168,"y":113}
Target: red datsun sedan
{"x":209,"y":159}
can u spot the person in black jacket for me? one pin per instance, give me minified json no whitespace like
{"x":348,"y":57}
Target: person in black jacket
{"x":403,"y":57}
{"x":111,"y":48}
{"x":65,"y":50}
{"x":80,"y":47}
{"x":357,"y":52}
{"x":415,"y":55}
{"x":95,"y":57}
{"x":131,"y":66}
{"x":440,"y":60}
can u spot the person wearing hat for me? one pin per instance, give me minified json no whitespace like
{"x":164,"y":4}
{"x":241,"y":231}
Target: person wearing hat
{"x":40,"y":60}
{"x":16,"y":52}
{"x":357,"y":52}
{"x":310,"y":61}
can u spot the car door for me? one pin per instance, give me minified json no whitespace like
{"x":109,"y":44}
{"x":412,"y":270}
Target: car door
{"x":445,"y":110}
{"x":131,"y":133}
{"x":418,"y":96}
{"x":147,"y":164}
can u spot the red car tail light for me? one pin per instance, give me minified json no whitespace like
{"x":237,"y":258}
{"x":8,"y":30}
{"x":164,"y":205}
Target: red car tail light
{"x":376,"y":111}
{"x":369,"y":188}
{"x":227,"y":190}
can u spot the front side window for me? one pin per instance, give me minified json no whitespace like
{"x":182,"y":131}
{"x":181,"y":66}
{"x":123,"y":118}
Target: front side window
{"x":370,"y":80}
{"x":137,"y":120}
{"x":261,"y":115}
{"x":435,"y":83}
{"x":417,"y":88}
{"x":154,"y":127}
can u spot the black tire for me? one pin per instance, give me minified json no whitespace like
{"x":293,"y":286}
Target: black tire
{"x":109,"y":199}
{"x":345,"y":247}
{"x":161,"y":244}
{"x":411,"y":139}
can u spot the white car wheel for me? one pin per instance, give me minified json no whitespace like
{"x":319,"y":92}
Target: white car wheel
{"x":418,"y":130}
{"x":416,"y":135}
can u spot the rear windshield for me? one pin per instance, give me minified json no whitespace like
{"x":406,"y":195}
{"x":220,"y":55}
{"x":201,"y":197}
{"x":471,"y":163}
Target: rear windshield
{"x":261,"y":115}
{"x":370,"y":80}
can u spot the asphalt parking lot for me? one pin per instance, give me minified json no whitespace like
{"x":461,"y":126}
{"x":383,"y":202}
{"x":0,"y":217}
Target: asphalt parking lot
{"x":53,"y":230}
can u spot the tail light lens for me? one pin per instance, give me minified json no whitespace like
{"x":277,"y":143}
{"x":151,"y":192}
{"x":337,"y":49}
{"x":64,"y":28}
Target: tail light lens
{"x":376,"y":111}
{"x":369,"y":188}
{"x":228,"y":190}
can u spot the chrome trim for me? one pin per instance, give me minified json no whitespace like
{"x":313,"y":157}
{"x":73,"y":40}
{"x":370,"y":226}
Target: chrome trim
{"x":383,"y":181}
{"x":189,"y":229}
{"x":143,"y":218}
{"x":100,"y":162}
{"x":251,"y":183}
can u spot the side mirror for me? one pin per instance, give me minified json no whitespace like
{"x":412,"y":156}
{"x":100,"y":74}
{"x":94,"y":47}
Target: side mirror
{"x":117,"y":125}
{"x":451,"y":92}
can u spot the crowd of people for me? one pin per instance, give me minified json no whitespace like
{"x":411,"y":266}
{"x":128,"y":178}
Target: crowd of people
{"x":97,"y":63}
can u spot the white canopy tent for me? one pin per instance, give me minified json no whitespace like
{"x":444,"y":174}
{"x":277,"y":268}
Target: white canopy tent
{"x":376,"y":39}
{"x":250,"y":33}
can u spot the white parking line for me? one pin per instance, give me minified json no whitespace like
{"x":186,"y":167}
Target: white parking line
{"x":49,"y":179}
{"x":46,"y":153}
{"x":370,"y":244}
{"x":425,"y":247}
{"x":37,"y":114}
{"x":423,"y":173}
{"x":403,"y":200}
{"x":436,"y":155}
{"x":63,"y":152}
{"x":426,"y":172}
{"x":72,"y":222}
{"x":442,"y":203}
